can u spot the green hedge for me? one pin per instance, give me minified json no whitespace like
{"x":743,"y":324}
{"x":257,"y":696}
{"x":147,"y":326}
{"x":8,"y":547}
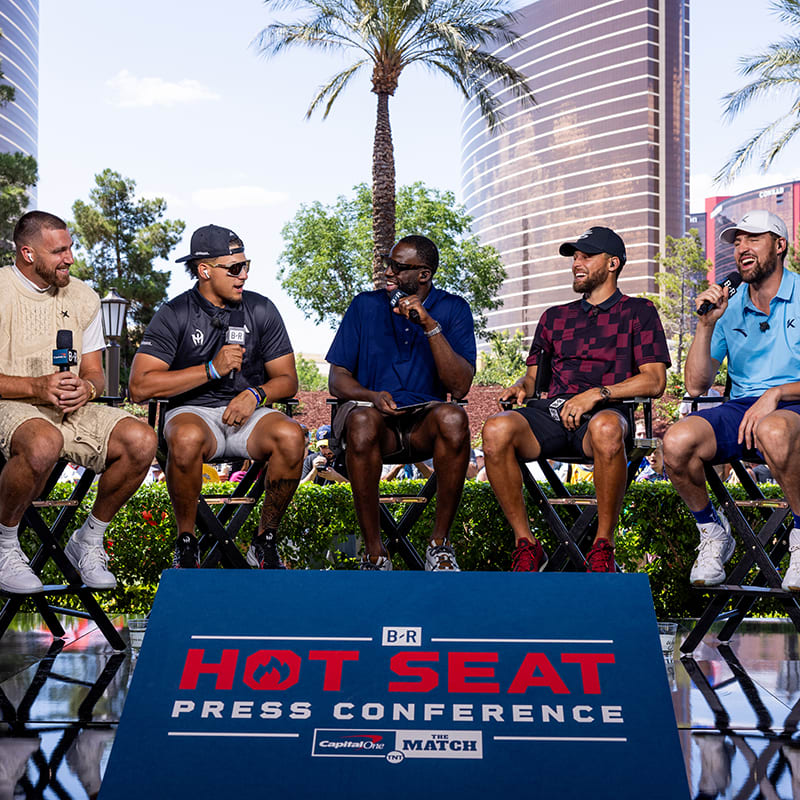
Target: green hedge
{"x":656,"y":535}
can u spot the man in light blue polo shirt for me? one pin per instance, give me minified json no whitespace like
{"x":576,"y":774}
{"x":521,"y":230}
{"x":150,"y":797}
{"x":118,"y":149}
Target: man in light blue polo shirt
{"x":758,"y":330}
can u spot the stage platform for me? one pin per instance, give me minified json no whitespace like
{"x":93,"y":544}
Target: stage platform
{"x":737,"y":710}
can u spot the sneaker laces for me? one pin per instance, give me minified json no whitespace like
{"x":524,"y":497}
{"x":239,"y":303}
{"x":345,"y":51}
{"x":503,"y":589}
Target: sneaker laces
{"x":601,"y":557}
{"x":14,"y":560}
{"x":710,"y":549}
{"x":444,"y":556}
{"x":93,"y":556}
{"x":523,"y":558}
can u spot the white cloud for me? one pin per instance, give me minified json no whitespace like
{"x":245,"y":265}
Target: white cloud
{"x":132,"y":92}
{"x":225,"y":197}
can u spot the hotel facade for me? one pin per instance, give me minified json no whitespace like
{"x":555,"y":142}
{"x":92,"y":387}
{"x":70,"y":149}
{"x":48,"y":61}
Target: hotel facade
{"x":605,"y":144}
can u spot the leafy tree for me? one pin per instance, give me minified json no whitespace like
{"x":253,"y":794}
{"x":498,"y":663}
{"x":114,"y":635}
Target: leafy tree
{"x":505,"y":361}
{"x":386,"y":36}
{"x":309,"y":376}
{"x":681,"y":278}
{"x":17,"y":174}
{"x":792,"y":260}
{"x":118,"y":239}
{"x":327,"y":258}
{"x":773,"y":73}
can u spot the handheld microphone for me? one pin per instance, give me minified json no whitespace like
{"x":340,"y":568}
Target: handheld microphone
{"x":236,"y":332}
{"x":732,"y":282}
{"x":396,"y":296}
{"x":64,"y":356}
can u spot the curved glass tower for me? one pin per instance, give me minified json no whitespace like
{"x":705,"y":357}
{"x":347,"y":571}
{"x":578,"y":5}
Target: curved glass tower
{"x":19,"y":62}
{"x":605,"y":144}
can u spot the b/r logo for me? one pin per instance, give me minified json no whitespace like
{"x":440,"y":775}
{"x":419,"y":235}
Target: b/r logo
{"x":401,"y":636}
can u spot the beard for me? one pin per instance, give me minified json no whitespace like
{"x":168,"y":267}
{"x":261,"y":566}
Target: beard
{"x":51,"y":277}
{"x":588,"y":284}
{"x":761,"y":271}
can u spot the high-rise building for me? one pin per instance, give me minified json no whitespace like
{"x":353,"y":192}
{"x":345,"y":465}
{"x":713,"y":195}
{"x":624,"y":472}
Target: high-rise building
{"x":19,"y":62}
{"x":605,"y":144}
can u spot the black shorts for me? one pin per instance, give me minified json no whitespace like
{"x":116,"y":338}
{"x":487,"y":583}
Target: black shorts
{"x":555,"y":439}
{"x":401,"y":425}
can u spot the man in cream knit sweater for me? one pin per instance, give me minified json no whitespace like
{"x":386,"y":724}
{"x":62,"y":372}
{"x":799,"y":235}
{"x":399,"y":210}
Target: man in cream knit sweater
{"x":46,"y":414}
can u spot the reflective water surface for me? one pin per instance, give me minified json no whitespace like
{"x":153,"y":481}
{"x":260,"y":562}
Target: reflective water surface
{"x":737,"y":709}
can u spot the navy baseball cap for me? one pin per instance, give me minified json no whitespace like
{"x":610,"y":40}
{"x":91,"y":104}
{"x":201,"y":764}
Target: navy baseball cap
{"x":212,"y":241}
{"x":597,"y":240}
{"x":323,"y":432}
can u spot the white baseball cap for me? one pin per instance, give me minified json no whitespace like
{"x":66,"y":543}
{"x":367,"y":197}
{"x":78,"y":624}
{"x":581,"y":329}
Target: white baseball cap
{"x":758,"y":221}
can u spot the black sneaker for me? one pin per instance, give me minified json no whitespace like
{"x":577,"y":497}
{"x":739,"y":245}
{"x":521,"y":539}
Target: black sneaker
{"x":263,"y":552}
{"x":187,"y":552}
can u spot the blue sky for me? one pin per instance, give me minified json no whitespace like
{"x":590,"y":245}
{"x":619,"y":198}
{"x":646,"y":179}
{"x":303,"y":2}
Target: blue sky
{"x":173,"y":95}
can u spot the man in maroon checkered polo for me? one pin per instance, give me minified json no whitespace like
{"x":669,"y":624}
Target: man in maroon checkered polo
{"x":604,"y":348}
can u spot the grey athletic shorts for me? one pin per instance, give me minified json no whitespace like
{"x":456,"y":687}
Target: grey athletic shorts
{"x":231,"y":439}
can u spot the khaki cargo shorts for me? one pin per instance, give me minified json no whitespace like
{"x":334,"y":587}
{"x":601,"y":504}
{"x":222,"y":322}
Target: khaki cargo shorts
{"x":86,"y":431}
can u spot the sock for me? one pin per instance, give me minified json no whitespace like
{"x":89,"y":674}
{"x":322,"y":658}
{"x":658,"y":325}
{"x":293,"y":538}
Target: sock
{"x":91,"y":532}
{"x":9,"y":535}
{"x":706,"y":515}
{"x":796,"y":522}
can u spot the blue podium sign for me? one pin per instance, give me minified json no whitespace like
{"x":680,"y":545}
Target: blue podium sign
{"x":363,"y":685}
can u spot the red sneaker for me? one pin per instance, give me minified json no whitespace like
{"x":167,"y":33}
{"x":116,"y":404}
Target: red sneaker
{"x":601,"y":557}
{"x":528,"y":557}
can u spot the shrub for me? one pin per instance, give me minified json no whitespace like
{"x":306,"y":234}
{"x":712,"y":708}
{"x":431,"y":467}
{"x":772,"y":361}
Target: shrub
{"x":656,"y":535}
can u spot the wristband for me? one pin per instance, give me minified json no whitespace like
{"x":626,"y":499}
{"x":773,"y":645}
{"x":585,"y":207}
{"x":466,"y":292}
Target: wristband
{"x":262,"y":395}
{"x":255,"y":394}
{"x":212,"y":372}
{"x":433,"y":331}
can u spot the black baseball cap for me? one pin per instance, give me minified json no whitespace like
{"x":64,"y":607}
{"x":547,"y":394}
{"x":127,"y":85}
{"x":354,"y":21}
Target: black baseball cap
{"x":212,"y":241}
{"x":597,"y":240}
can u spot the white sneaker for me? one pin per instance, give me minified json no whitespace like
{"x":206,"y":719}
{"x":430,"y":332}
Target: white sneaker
{"x":715,"y":549}
{"x":441,"y":558}
{"x":16,"y":576}
{"x":381,"y":564}
{"x":91,"y":562}
{"x":791,"y":581}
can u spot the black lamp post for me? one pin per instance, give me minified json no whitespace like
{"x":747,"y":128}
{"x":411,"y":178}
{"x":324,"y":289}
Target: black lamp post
{"x":113,"y":308}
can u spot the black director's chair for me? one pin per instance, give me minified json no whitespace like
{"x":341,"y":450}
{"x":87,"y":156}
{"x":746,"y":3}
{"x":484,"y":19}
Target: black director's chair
{"x":397,"y":531}
{"x":51,"y":547}
{"x":218,"y":531}
{"x":580,"y":511}
{"x":764,"y":549}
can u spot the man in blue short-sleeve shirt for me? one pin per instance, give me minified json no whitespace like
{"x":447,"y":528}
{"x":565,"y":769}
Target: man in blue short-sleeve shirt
{"x":408,"y":345}
{"x":758,"y":330}
{"x":221,"y":354}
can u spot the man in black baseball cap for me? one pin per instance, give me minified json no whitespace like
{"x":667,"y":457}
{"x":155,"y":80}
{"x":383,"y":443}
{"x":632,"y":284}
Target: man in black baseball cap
{"x":597,"y":240}
{"x":212,"y":241}
{"x":222,"y":356}
{"x":604,"y":348}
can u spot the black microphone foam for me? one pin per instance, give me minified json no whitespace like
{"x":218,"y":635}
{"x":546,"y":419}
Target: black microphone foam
{"x":236,"y":331}
{"x":732,"y":281}
{"x":396,"y":296}
{"x":64,"y":356}
{"x":63,"y":340}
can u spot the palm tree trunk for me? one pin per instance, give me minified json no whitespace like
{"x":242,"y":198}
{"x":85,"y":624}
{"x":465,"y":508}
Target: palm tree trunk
{"x":383,"y":190}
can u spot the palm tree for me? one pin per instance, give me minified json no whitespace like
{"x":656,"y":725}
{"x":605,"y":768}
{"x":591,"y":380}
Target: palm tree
{"x":774,"y":71}
{"x":389,"y":35}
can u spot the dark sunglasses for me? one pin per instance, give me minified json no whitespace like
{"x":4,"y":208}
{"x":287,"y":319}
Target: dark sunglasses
{"x":234,"y":270}
{"x":396,"y":266}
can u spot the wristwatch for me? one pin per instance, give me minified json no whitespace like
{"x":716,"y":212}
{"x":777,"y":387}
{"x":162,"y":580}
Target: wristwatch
{"x":605,"y":393}
{"x":262,"y":396}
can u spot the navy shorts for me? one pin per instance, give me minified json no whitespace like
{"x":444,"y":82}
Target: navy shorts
{"x":555,"y":439}
{"x":725,"y":420}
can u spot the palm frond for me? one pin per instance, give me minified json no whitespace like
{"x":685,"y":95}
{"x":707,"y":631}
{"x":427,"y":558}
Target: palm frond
{"x":735,"y":102}
{"x":744,"y":154}
{"x":333,"y":87}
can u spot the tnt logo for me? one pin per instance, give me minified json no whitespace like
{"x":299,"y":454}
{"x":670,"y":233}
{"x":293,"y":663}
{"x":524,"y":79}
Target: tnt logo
{"x":402,"y":637}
